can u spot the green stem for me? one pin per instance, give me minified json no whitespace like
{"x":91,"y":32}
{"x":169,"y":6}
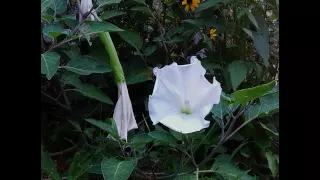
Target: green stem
{"x":114,"y":59}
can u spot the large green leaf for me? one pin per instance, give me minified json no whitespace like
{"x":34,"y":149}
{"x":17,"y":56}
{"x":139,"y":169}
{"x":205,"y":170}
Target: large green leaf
{"x":87,"y":65}
{"x":186,"y":177}
{"x":87,"y":90}
{"x":245,"y":95}
{"x":238,"y":71}
{"x":59,"y":6}
{"x":106,"y":2}
{"x":268,"y":103}
{"x":228,"y":169}
{"x":75,"y":171}
{"x":92,"y":27}
{"x":104,"y":126}
{"x":49,"y":63}
{"x":149,"y":50}
{"x":208,"y":4}
{"x":45,"y":4}
{"x":141,"y":139}
{"x":261,"y":39}
{"x":54,"y":30}
{"x":142,"y":9}
{"x":163,"y":136}
{"x":138,"y":76}
{"x":272,"y":163}
{"x":132,"y":38}
{"x":48,"y":167}
{"x":117,"y":170}
{"x":112,"y":13}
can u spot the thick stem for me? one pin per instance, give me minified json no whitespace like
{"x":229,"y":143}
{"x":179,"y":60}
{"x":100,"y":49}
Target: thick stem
{"x":114,"y":59}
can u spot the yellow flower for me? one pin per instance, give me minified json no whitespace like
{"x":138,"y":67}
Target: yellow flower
{"x":190,"y":4}
{"x":212,"y":33}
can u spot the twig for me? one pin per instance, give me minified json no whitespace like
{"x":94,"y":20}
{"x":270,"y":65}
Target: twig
{"x":55,"y":100}
{"x":65,"y":151}
{"x":65,"y":97}
{"x":225,"y":137}
{"x":144,"y":119}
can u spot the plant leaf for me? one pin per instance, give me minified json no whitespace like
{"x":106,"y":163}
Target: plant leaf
{"x":267,"y":104}
{"x":107,"y":2}
{"x":138,"y":76}
{"x":45,"y":4}
{"x":227,"y":169}
{"x":59,"y":6}
{"x":112,"y":13}
{"x":149,"y":50}
{"x":104,"y":126}
{"x":208,"y":4}
{"x":49,"y":63}
{"x":87,"y":65}
{"x":238,"y":72}
{"x":92,"y":27}
{"x":272,"y":163}
{"x":162,"y":136}
{"x":245,"y":95}
{"x":48,"y":167}
{"x":186,"y":177}
{"x":142,"y":9}
{"x":117,"y":170}
{"x":132,"y":38}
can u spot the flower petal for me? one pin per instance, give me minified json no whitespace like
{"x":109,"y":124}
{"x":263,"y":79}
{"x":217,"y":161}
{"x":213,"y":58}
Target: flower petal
{"x":164,"y":101}
{"x":192,"y":7}
{"x":123,"y":113}
{"x":184,"y":2}
{"x":185,"y":123}
{"x":187,"y":7}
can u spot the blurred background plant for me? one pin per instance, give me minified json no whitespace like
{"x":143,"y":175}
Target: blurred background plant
{"x":237,"y":41}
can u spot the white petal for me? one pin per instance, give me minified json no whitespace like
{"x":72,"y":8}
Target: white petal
{"x":123,"y":113}
{"x":163,"y":102}
{"x":185,"y":123}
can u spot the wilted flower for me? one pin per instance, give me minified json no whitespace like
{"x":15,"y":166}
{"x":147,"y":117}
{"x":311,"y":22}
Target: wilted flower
{"x":190,"y":4}
{"x":212,"y":33}
{"x":182,"y":97}
{"x":123,"y":113}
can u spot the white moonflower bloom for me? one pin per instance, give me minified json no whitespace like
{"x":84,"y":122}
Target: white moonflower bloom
{"x":182,"y":97}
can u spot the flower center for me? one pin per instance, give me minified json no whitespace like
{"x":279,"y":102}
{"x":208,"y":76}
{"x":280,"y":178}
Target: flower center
{"x":186,"y":108}
{"x":189,"y":1}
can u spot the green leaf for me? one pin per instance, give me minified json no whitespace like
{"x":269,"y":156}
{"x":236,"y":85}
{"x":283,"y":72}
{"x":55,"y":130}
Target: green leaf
{"x":49,"y":63}
{"x":138,"y":76}
{"x":238,"y":71}
{"x":163,"y":136}
{"x":272,"y":163}
{"x":186,"y":177}
{"x":177,"y":135}
{"x":142,"y":9}
{"x":48,"y":167}
{"x":132,"y":38}
{"x":74,"y":52}
{"x":54,"y":30}
{"x":117,"y":170}
{"x":252,"y":19}
{"x":45,"y":4}
{"x":174,"y":31}
{"x":269,"y":130}
{"x":149,"y":50}
{"x":75,"y":171}
{"x":59,"y":6}
{"x":107,"y":2}
{"x":92,"y":27}
{"x":112,"y":13}
{"x":208,"y":64}
{"x":93,"y":92}
{"x":176,"y":39}
{"x":104,"y":126}
{"x":267,"y":104}
{"x":208,"y":4}
{"x":87,"y":65}
{"x":245,"y":95}
{"x":227,"y":169}
{"x":141,"y":139}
